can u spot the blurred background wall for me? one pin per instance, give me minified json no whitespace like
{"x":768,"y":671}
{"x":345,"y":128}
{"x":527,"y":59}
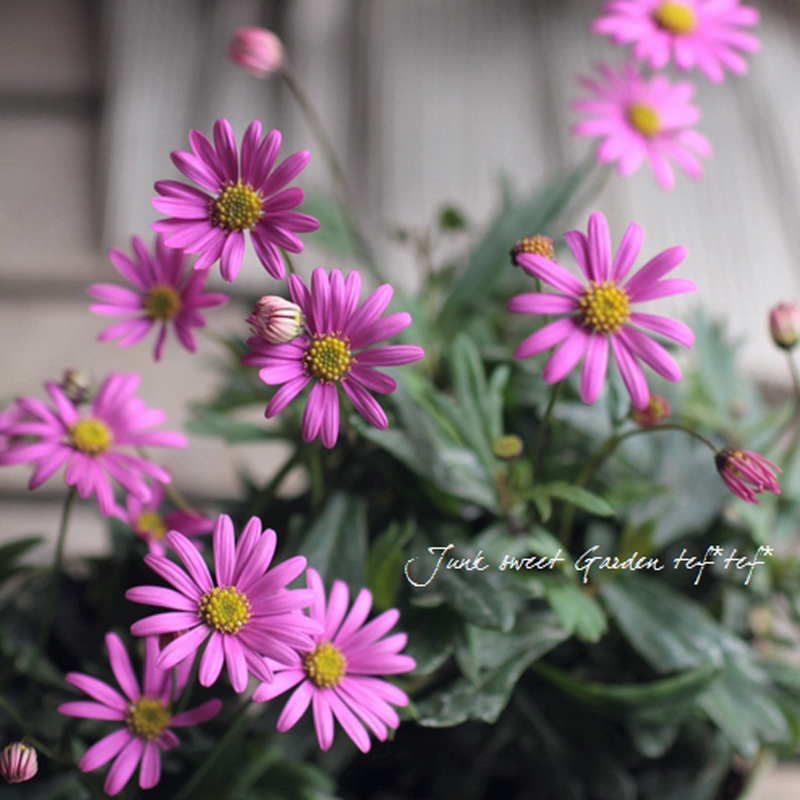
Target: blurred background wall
{"x":427,"y":102}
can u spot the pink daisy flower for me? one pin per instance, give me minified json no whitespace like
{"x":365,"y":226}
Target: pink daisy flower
{"x":640,"y":119}
{"x":339,"y":676}
{"x":145,"y":711}
{"x":164,"y":293}
{"x":150,"y":524}
{"x":707,"y":35}
{"x":747,"y":474}
{"x":336,"y":349}
{"x":91,"y":442}
{"x":236,"y":195}
{"x":246,"y":615}
{"x":598,"y":316}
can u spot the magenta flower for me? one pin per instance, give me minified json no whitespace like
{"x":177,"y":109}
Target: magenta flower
{"x":598,"y":316}
{"x":18,"y":762}
{"x":339,"y":677}
{"x":239,"y":195}
{"x":747,"y":474}
{"x":256,"y":50}
{"x":149,"y":523}
{"x":146,"y":713}
{"x":165,"y":293}
{"x":642,"y":119}
{"x":246,"y":616}
{"x":336,"y":349}
{"x":91,"y":443}
{"x":706,"y":35}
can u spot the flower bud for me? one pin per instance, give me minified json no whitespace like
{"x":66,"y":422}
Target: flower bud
{"x":18,"y":763}
{"x":76,"y":385}
{"x":654,"y":413}
{"x":784,"y":325}
{"x":538,"y":245}
{"x":257,"y":51}
{"x":276,"y":320}
{"x":508,"y":447}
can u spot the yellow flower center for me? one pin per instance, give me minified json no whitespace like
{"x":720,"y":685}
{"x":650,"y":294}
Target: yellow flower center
{"x":153,"y":523}
{"x":325,"y":665}
{"x":328,"y":358}
{"x":238,"y":208}
{"x":148,"y":717}
{"x":678,"y":18}
{"x":162,"y":302}
{"x":604,"y":306}
{"x":644,"y":118}
{"x":225,"y":608}
{"x":90,"y":436}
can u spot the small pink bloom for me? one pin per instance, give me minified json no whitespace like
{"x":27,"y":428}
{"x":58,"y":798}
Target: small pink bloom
{"x":165,"y":294}
{"x":18,"y":763}
{"x":707,"y":35}
{"x":541,"y":245}
{"x":340,"y":676}
{"x":257,"y":51}
{"x":336,"y":350}
{"x":94,"y":444}
{"x":276,"y":320}
{"x":148,"y":522}
{"x":784,"y":325}
{"x":239,"y":192}
{"x":598,"y":317}
{"x":747,"y":474}
{"x":145,"y":713}
{"x":247,"y":615}
{"x":656,"y":412}
{"x":641,"y":119}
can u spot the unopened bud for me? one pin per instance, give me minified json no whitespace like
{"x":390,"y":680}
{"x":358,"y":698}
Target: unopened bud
{"x":257,"y":51}
{"x":18,"y":763}
{"x":538,"y":245}
{"x":784,"y":325}
{"x":276,"y":320}
{"x":508,"y":447}
{"x":76,"y":385}
{"x":654,"y":413}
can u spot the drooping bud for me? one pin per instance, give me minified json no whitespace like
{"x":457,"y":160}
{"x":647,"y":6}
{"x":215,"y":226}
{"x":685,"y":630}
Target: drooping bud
{"x":76,"y":385}
{"x":784,"y":325}
{"x":538,"y":245}
{"x":656,"y":412}
{"x":257,"y":51}
{"x":276,"y":320}
{"x":18,"y":763}
{"x":747,"y":474}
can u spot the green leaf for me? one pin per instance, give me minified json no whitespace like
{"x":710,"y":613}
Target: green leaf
{"x":221,"y":424}
{"x":385,"y":563}
{"x":11,"y":552}
{"x":452,"y":219}
{"x":335,"y":233}
{"x":577,"y":611}
{"x":579,"y":497}
{"x":486,"y":698}
{"x":336,"y":544}
{"x":667,"y":628}
{"x":665,"y":699}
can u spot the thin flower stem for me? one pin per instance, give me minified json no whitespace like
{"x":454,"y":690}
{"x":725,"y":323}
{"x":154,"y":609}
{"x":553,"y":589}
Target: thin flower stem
{"x":23,"y":726}
{"x":335,"y":167}
{"x":543,"y":425}
{"x":795,"y":381}
{"x":289,"y":263}
{"x":175,"y":497}
{"x":234,"y":729}
{"x":604,"y":452}
{"x":223,"y":342}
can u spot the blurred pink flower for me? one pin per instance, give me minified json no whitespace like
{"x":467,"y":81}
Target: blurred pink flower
{"x":256,"y":50}
{"x":164,"y":293}
{"x":146,"y":713}
{"x":18,"y":762}
{"x":91,"y":445}
{"x":340,"y":676}
{"x":246,"y":615}
{"x":707,"y":35}
{"x":150,"y":524}
{"x":333,"y":351}
{"x":598,"y":316}
{"x":784,"y":325}
{"x":642,"y":119}
{"x":747,"y":474}
{"x":240,"y":192}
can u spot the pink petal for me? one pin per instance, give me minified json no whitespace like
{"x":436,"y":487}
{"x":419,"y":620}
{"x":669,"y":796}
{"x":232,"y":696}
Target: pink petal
{"x":124,"y":766}
{"x":192,"y":560}
{"x":168,"y":622}
{"x":323,"y":718}
{"x":664,"y":326}
{"x":212,"y":660}
{"x":632,"y":374}
{"x":224,"y":550}
{"x":150,"y":771}
{"x":89,"y":710}
{"x":98,"y":690}
{"x":566,"y":356}
{"x":121,"y":667}
{"x":541,"y":303}
{"x":546,"y":337}
{"x":296,"y":706}
{"x":235,"y":661}
{"x":550,"y":272}
{"x":366,"y":404}
{"x":197,"y":715}
{"x":652,"y":353}
{"x":104,"y":750}
{"x":628,"y":250}
{"x":594,"y":368}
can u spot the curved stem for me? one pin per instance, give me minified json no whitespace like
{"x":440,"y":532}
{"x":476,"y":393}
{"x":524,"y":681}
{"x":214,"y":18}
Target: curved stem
{"x":234,"y":728}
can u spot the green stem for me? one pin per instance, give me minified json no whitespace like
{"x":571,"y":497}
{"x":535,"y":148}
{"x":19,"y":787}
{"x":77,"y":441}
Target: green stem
{"x":543,"y":425}
{"x":329,"y":154}
{"x":23,"y":726}
{"x":223,"y":342}
{"x":234,"y":729}
{"x":604,"y":452}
